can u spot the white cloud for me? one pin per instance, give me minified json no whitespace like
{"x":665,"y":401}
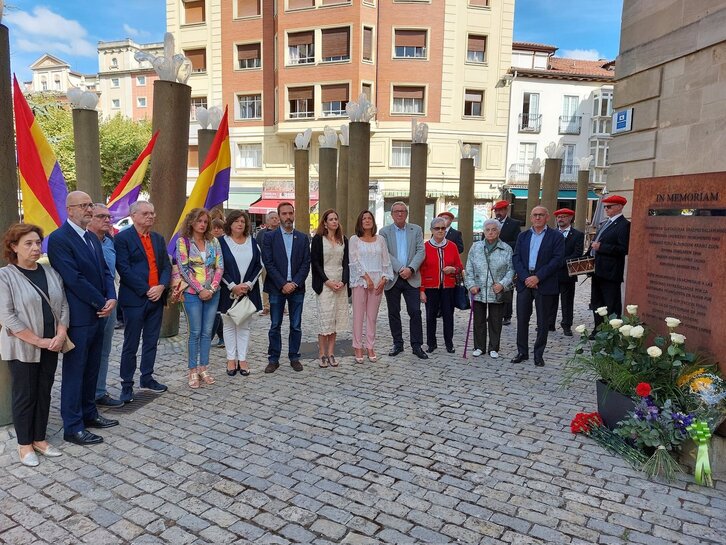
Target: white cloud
{"x":581,"y":54}
{"x":134,"y":32}
{"x":46,"y":31}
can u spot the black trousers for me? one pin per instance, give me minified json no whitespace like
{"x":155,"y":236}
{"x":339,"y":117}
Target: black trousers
{"x":440,"y":300}
{"x":488,"y":318}
{"x":32,"y":383}
{"x":543,"y":304}
{"x":567,"y":304}
{"x":508,"y":299}
{"x":605,"y":293}
{"x":413,"y":307}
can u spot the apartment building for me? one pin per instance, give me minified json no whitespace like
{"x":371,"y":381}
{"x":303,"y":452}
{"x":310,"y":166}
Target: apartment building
{"x":561,"y":100}
{"x":54,"y":75}
{"x":284,"y":66}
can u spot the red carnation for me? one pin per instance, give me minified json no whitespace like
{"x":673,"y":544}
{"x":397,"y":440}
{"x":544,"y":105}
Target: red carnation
{"x":583,"y":422}
{"x":643,"y":389}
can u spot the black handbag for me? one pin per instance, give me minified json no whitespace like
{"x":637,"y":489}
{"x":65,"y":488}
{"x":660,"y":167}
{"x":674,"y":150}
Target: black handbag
{"x":461,"y":294}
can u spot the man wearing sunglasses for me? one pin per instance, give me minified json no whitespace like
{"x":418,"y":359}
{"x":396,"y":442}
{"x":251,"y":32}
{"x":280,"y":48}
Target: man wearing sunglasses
{"x":609,"y":249}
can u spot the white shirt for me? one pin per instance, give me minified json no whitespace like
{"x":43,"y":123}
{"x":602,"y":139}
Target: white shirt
{"x":242,"y":254}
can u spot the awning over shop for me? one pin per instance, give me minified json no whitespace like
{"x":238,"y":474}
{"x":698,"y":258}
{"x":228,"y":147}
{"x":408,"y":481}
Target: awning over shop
{"x":263,"y":206}
{"x":241,"y":201}
{"x":563,"y":195}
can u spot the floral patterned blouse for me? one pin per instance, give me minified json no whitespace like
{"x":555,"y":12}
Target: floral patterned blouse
{"x":200,"y":271}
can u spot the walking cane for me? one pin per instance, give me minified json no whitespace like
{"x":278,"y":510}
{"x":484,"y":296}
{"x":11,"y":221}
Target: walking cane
{"x":468,"y":328}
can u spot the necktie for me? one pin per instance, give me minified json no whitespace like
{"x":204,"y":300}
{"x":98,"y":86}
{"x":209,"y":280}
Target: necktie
{"x":599,"y":234}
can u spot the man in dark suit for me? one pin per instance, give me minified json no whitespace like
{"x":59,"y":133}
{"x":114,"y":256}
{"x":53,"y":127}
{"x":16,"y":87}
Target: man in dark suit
{"x":77,"y":256}
{"x":452,"y":234}
{"x":609,"y":250}
{"x":145,"y":271}
{"x":509,"y":230}
{"x":537,"y":259}
{"x":574,"y":245}
{"x":286,"y":255}
{"x":272,"y":222}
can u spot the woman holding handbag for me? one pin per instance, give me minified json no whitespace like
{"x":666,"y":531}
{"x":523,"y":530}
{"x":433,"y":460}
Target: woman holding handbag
{"x":199,"y":258}
{"x":489,"y":273}
{"x":440,"y":266}
{"x":242,"y":267}
{"x":34,"y":318}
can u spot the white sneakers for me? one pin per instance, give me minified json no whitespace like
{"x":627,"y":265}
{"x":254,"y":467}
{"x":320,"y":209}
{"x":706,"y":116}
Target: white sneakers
{"x":476,"y":353}
{"x":494,"y":354}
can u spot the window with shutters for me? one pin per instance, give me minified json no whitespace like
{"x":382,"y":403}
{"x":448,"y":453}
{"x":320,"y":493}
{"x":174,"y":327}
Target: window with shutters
{"x":249,"y":106}
{"x":367,"y":89}
{"x":473,"y":103}
{"x":334,"y":99}
{"x":476,"y":48}
{"x":410,"y":44}
{"x":302,"y":103}
{"x":368,"y":44}
{"x":194,"y":12}
{"x":408,"y":99}
{"x":248,"y":8}
{"x":197,"y":102}
{"x":479,"y":3}
{"x":301,"y":47}
{"x":300,"y":4}
{"x":249,"y":155}
{"x":249,"y":56}
{"x":115,"y":83}
{"x":198,"y":58}
{"x":335,"y":44}
{"x":141,"y":102}
{"x":401,"y":153}
{"x":115,"y":103}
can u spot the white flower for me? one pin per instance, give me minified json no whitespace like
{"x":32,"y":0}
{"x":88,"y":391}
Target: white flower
{"x":580,"y":329}
{"x":637,"y":332}
{"x":672,"y":322}
{"x":625,"y":330}
{"x":602,"y":311}
{"x":632,"y":309}
{"x":677,"y":338}
{"x":615,"y":323}
{"x":654,"y":352}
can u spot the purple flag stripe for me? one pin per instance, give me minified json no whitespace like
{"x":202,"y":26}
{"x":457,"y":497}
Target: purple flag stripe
{"x":219,"y":190}
{"x":59,"y":191}
{"x":120,"y":209}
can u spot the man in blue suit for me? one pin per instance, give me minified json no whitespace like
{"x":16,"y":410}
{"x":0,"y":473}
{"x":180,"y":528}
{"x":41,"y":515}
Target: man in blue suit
{"x":537,"y":259}
{"x":145,"y":271}
{"x":78,"y":257}
{"x":286,"y":255}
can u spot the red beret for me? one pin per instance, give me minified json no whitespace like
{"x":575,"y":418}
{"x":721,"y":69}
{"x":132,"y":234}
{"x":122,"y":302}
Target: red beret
{"x":615,"y":199}
{"x":500,"y":204}
{"x":446,"y":213}
{"x":564,"y":212}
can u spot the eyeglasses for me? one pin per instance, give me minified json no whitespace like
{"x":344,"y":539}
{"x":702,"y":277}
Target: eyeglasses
{"x":83,"y":205}
{"x":438,"y":228}
{"x":538,"y":215}
{"x":102,"y":216}
{"x":609,"y":205}
{"x":399,"y":211}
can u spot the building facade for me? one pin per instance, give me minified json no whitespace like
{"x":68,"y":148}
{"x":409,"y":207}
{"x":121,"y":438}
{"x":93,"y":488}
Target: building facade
{"x":285,"y":66}
{"x":54,"y":75}
{"x":561,"y":100}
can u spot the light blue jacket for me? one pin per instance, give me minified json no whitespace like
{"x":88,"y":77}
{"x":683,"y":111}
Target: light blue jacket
{"x":500,"y":264}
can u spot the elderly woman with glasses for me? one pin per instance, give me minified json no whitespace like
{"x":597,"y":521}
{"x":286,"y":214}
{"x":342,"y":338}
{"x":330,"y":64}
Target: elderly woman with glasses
{"x":438,"y":279}
{"x":489,"y":273}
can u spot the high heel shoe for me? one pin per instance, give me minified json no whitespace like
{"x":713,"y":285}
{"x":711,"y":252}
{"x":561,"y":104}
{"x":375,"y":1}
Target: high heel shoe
{"x":232,"y":372}
{"x":242,"y":372}
{"x":372,"y":358}
{"x":358,"y":359}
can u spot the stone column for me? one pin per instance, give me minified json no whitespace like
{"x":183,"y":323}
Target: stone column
{"x":88,"y":153}
{"x":169,"y":168}
{"x":358,"y":170}
{"x":417,"y":187}
{"x":550,"y":186}
{"x":581,"y":208}
{"x":341,"y":192}
{"x":8,"y":188}
{"x":466,"y":204}
{"x":205,"y":137}
{"x":327,"y":180}
{"x":302,"y":190}
{"x":535,"y":182}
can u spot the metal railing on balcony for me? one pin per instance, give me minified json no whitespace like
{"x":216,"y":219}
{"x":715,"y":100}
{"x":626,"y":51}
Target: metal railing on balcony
{"x":519,"y":172}
{"x":568,"y":172}
{"x":570,"y":124}
{"x":530,"y":122}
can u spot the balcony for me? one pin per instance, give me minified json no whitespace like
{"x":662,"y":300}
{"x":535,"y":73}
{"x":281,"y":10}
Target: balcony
{"x":568,"y":172}
{"x":570,"y":124}
{"x":530,"y":123}
{"x":519,"y":172}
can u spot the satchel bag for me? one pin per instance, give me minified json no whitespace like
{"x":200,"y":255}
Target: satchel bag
{"x":242,"y":308}
{"x":461,"y":294}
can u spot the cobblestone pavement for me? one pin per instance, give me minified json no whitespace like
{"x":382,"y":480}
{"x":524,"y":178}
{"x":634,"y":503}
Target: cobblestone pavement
{"x":401,"y":451}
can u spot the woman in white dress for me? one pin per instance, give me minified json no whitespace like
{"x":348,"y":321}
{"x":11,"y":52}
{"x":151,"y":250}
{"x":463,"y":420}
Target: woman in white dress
{"x":370,"y":267}
{"x":329,"y":264}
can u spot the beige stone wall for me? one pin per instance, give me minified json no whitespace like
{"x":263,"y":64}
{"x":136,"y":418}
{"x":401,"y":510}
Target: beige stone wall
{"x":672,"y":72}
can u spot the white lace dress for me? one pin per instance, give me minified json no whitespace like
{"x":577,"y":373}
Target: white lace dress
{"x":332,"y":306}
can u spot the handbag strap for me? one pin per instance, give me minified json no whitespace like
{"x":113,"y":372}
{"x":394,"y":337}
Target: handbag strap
{"x":254,"y":281}
{"x":40,"y":291}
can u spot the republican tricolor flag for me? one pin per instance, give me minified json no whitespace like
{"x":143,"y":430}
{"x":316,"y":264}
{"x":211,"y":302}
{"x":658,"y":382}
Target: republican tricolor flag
{"x":42,"y":184}
{"x":128,"y":189}
{"x":212,"y":185}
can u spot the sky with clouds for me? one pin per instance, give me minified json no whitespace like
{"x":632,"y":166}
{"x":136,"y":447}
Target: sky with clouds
{"x":70,"y":29}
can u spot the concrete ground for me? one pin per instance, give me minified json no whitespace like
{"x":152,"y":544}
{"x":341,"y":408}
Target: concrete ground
{"x":402,"y":451}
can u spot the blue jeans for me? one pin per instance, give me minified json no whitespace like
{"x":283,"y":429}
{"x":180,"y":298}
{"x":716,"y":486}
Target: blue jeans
{"x":105,"y":353}
{"x":295,"y":307}
{"x":200,"y":315}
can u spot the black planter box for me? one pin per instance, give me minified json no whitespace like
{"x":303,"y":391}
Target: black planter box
{"x":612,"y":406}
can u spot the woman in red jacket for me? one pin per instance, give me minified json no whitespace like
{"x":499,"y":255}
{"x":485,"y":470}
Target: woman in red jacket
{"x":438,"y":279}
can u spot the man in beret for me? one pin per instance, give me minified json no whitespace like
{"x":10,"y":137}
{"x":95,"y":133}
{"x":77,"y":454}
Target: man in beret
{"x":609,"y":249}
{"x":574,"y":245}
{"x":452,"y":234}
{"x":509,"y":230}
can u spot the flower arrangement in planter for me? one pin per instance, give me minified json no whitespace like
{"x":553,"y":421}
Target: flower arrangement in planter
{"x":673,"y":395}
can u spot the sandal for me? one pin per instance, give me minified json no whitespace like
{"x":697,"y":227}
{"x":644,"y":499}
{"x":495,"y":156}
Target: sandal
{"x":358,"y":359}
{"x":245,"y":372}
{"x":206,"y":377}
{"x":333,"y":362}
{"x":323,"y":361}
{"x":193,"y":379}
{"x":373,"y":358}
